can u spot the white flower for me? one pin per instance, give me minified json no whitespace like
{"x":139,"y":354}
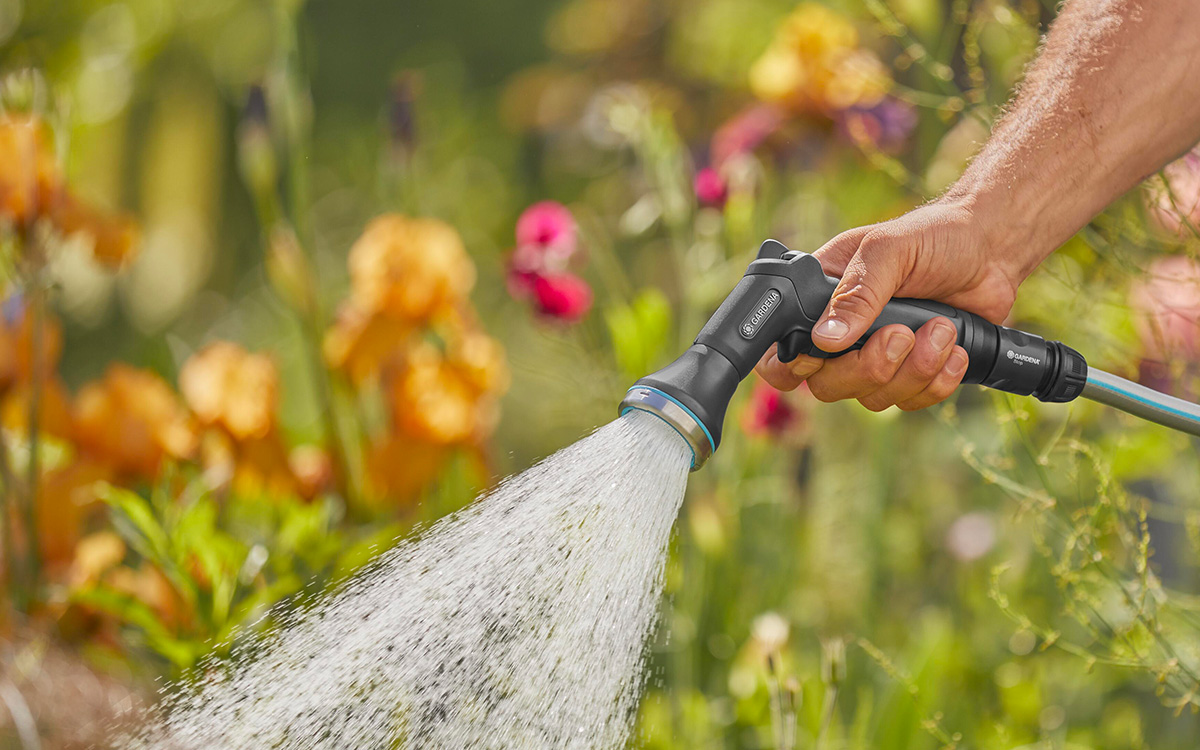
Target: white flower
{"x":770,"y":630}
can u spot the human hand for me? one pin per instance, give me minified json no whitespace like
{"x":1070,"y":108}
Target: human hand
{"x":942,"y":251}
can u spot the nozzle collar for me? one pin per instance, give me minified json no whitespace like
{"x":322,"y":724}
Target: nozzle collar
{"x":682,"y":419}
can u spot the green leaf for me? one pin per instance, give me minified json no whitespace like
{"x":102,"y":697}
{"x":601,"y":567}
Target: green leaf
{"x":639,"y":332}
{"x":136,"y":522}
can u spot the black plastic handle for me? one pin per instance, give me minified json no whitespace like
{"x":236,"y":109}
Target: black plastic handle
{"x":784,"y":292}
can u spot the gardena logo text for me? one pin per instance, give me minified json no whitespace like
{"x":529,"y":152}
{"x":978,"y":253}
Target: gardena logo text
{"x":1022,"y":358}
{"x":766,"y":306}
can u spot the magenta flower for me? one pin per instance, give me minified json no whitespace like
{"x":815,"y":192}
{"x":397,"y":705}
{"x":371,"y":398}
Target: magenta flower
{"x":774,"y":413}
{"x":745,"y":132}
{"x":564,"y":297}
{"x":546,"y":233}
{"x":537,"y":268}
{"x":710,"y":188}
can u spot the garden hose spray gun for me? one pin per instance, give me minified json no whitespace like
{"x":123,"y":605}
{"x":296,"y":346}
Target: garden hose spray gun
{"x":781,"y":298}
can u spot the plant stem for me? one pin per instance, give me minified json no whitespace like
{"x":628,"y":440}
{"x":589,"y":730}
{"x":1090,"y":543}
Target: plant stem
{"x":831,"y":696}
{"x":37,"y":311}
{"x":9,"y":505}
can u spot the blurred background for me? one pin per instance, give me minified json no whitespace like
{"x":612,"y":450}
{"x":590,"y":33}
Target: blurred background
{"x":283,"y":281}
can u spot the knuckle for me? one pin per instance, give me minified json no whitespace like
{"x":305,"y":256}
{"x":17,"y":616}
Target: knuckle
{"x":878,"y":371}
{"x":927,"y":366}
{"x":822,"y":391}
{"x":854,"y":297}
{"x":940,"y":390}
{"x":874,"y":404}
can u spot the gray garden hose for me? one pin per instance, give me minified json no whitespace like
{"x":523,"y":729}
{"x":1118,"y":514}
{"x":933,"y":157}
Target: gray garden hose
{"x":1140,"y":401}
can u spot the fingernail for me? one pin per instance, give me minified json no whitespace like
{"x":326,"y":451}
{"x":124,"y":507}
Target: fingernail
{"x":833,"y":329}
{"x":898,"y":345}
{"x":943,"y":335}
{"x":957,"y":363}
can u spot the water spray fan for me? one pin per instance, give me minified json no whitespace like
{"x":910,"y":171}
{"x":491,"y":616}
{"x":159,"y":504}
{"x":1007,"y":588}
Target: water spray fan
{"x":781,"y":298}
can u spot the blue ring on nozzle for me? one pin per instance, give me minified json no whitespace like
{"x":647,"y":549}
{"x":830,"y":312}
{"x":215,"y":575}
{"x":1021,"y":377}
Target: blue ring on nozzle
{"x":712,"y":443}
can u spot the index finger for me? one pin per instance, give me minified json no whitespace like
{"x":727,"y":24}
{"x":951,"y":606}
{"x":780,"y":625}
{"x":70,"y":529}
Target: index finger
{"x":786,"y":376}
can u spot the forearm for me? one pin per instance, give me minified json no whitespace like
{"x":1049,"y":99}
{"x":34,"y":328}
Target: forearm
{"x":1113,"y":96}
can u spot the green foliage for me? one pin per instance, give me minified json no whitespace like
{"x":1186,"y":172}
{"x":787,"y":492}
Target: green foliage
{"x":228,"y":563}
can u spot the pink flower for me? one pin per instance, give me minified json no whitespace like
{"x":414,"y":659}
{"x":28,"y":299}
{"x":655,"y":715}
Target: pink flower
{"x":710,"y":188}
{"x":1167,"y":308}
{"x":563,"y":296}
{"x":971,"y":536}
{"x":1176,"y":207}
{"x":545,"y":234}
{"x":537,"y":268}
{"x":745,"y":132}
{"x":773,"y":413}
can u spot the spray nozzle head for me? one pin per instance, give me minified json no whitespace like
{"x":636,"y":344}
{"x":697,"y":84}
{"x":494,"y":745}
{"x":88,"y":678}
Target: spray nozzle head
{"x":690,"y":394}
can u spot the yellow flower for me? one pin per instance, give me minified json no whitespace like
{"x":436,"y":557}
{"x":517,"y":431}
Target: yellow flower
{"x":857,"y":79}
{"x":132,"y":420}
{"x":778,"y":76}
{"x":814,"y":63}
{"x":228,"y":387}
{"x":817,"y":33}
{"x":411,"y":269}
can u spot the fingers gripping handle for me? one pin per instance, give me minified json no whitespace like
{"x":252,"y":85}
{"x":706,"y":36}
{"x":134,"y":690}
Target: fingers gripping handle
{"x":783,"y":294}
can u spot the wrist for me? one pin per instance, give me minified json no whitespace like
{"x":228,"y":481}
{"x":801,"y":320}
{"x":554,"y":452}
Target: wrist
{"x":1007,"y":228}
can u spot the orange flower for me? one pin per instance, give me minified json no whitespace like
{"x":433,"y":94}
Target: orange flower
{"x":66,"y":495}
{"x":312,"y":468}
{"x":114,"y":239}
{"x":261,"y":467}
{"x":132,"y":420}
{"x":54,"y":408}
{"x":399,"y":466}
{"x":449,"y":398}
{"x":32,"y":187}
{"x":95,"y":555}
{"x":412,"y":269}
{"x":228,"y":387}
{"x":30,"y":180}
{"x":16,"y":344}
{"x":237,"y":392}
{"x":148,"y":585}
{"x":361,"y":344}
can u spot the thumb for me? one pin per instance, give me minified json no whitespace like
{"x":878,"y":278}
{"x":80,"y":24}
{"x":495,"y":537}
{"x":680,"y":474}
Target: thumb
{"x":872,"y":276}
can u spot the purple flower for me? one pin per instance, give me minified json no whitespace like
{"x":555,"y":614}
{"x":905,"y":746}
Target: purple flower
{"x":885,"y":126}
